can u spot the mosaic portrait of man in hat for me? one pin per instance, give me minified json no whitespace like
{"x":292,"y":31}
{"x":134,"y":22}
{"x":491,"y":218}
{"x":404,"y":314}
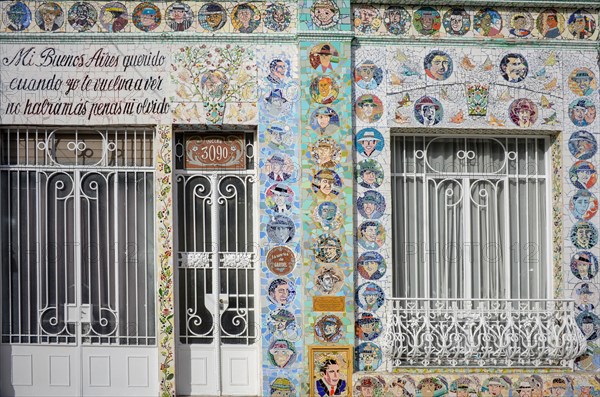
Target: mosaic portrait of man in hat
{"x":245,"y":18}
{"x":329,"y":328}
{"x":113,"y":17}
{"x":329,"y":279}
{"x":397,"y":20}
{"x":212,"y":16}
{"x":582,"y":112}
{"x":369,"y":174}
{"x":581,"y":24}
{"x":586,"y":296}
{"x":326,"y":184}
{"x":369,"y":108}
{"x":325,"y":14}
{"x":367,"y":75}
{"x":371,"y":265}
{"x":146,"y":17}
{"x":371,"y":235}
{"x":369,"y":142}
{"x":279,"y":198}
{"x":582,"y":145}
{"x":368,"y":326}
{"x":179,"y":17}
{"x":583,"y":205}
{"x":584,"y":235}
{"x":583,"y":174}
{"x":328,"y":248}
{"x":584,"y":265}
{"x":325,"y":152}
{"x":281,"y":229}
{"x":428,"y":111}
{"x":82,"y":16}
{"x":589,"y":324}
{"x":282,"y":353}
{"x":324,"y":120}
{"x":523,"y":112}
{"x":282,"y":387}
{"x":324,"y":57}
{"x":582,"y":82}
{"x":371,"y":205}
{"x":49,"y":17}
{"x":327,"y":216}
{"x":17,"y":16}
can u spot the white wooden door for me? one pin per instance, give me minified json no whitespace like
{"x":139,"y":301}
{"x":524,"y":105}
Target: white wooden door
{"x":77,"y":263}
{"x":217,"y":336}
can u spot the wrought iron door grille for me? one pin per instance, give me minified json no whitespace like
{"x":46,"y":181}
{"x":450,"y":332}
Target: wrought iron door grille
{"x":77,"y":235}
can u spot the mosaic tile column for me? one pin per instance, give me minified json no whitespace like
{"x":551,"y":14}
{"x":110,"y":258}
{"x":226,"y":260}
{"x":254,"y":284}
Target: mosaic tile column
{"x":580,"y":197}
{"x":164,"y":259}
{"x":373,"y":206}
{"x":327,"y":207}
{"x":280,"y":224}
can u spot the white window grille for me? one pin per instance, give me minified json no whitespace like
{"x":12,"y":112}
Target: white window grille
{"x":217,"y":250}
{"x":77,"y":235}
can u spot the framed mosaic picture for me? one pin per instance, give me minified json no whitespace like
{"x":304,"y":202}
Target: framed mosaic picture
{"x":330,"y":370}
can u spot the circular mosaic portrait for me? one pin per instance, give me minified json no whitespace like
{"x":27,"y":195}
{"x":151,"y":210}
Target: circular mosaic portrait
{"x":179,"y":17}
{"x":367,"y":356}
{"x":370,"y":235}
{"x":282,"y":387}
{"x":521,"y":24}
{"x":582,"y":112}
{"x":427,"y":21}
{"x":17,"y":16}
{"x":82,"y":16}
{"x":583,"y":174}
{"x":277,"y":17}
{"x":113,"y":17}
{"x":582,"y":82}
{"x":279,"y":167}
{"x":369,"y":108}
{"x":583,"y":205}
{"x":550,"y":23}
{"x":368,"y":326}
{"x":146,"y":17}
{"x":366,"y":19}
{"x":584,"y":235}
{"x":397,"y":20}
{"x":279,"y":136}
{"x":487,"y":22}
{"x":245,"y":18}
{"x":582,"y":145}
{"x":324,"y":89}
{"x":329,"y":279}
{"x":589,"y":324}
{"x":371,"y":205}
{"x":581,"y":24}
{"x":327,"y":216}
{"x":281,"y":260}
{"x":438,"y":65}
{"x":212,"y":17}
{"x":371,"y":265}
{"x":329,"y":328}
{"x":325,"y":153}
{"x":370,"y":297}
{"x":428,"y":111}
{"x":49,"y":17}
{"x":328,"y":248}
{"x":276,"y":104}
{"x":457,"y":21}
{"x":369,"y":142}
{"x":369,"y":174}
{"x":281,"y":229}
{"x":282,"y":353}
{"x":367,"y":75}
{"x":326,"y":184}
{"x":324,"y":120}
{"x":324,"y":57}
{"x":281,"y":292}
{"x":584,"y":265}
{"x":514,"y":67}
{"x":325,"y":14}
{"x":279,"y":198}
{"x":370,"y":386}
{"x":282,"y":324}
{"x":523,"y":112}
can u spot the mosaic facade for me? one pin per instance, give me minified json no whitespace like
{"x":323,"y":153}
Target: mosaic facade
{"x":324,"y":107}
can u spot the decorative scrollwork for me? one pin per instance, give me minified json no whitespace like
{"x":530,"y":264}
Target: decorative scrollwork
{"x":52,"y":323}
{"x":482,"y":333}
{"x":238,"y":260}
{"x":195,"y":260}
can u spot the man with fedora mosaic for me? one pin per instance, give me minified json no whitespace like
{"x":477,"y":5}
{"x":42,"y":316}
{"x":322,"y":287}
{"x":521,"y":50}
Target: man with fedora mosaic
{"x":584,"y":298}
{"x":322,"y":121}
{"x":368,"y":143}
{"x":426,"y":111}
{"x":282,"y":387}
{"x":179,"y":21}
{"x":583,"y":79}
{"x":370,"y":205}
{"x":370,"y":174}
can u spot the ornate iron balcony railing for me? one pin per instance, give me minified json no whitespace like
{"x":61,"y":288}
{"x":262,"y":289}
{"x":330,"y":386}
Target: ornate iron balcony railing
{"x":482,"y":333}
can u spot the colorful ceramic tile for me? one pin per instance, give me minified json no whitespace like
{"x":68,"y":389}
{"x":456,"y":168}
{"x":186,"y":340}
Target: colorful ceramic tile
{"x":82,"y":16}
{"x":438,"y":65}
{"x":584,"y":265}
{"x":326,"y":184}
{"x":212,"y":16}
{"x":477,"y":99}
{"x":282,"y":324}
{"x":397,"y":20}
{"x":582,"y":112}
{"x":329,"y":279}
{"x":487,"y":22}
{"x":369,"y":108}
{"x":245,"y":18}
{"x":280,"y":260}
{"x":371,"y":265}
{"x":366,"y":19}
{"x":367,"y":75}
{"x":328,"y":328}
{"x":113,"y":17}
{"x":277,"y":17}
{"x":550,"y":23}
{"x":370,"y":235}
{"x":457,"y":21}
{"x":589,"y":323}
{"x":368,"y":326}
{"x":521,"y":24}
{"x":369,"y":386}
{"x":581,"y":24}
{"x":328,"y":248}
{"x":369,"y":142}
{"x":324,"y":89}
{"x":583,"y":205}
{"x":146,"y":17}
{"x":367,"y":357}
{"x":369,"y":174}
{"x":281,"y":229}
{"x":582,"y":82}
{"x":523,"y":112}
{"x":279,"y":198}
{"x":324,"y":57}
{"x":584,"y":235}
{"x":427,"y":21}
{"x":325,"y":14}
{"x":428,"y":111}
{"x":282,"y":292}
{"x":586,"y":296}
{"x":49,"y":17}
{"x":179,"y":16}
{"x":282,"y":353}
{"x":324,"y":120}
{"x":582,"y":145}
{"x":514,"y":67}
{"x":282,"y":387}
{"x":327,"y":216}
{"x":583,"y":174}
{"x":17,"y":16}
{"x":325,"y":153}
